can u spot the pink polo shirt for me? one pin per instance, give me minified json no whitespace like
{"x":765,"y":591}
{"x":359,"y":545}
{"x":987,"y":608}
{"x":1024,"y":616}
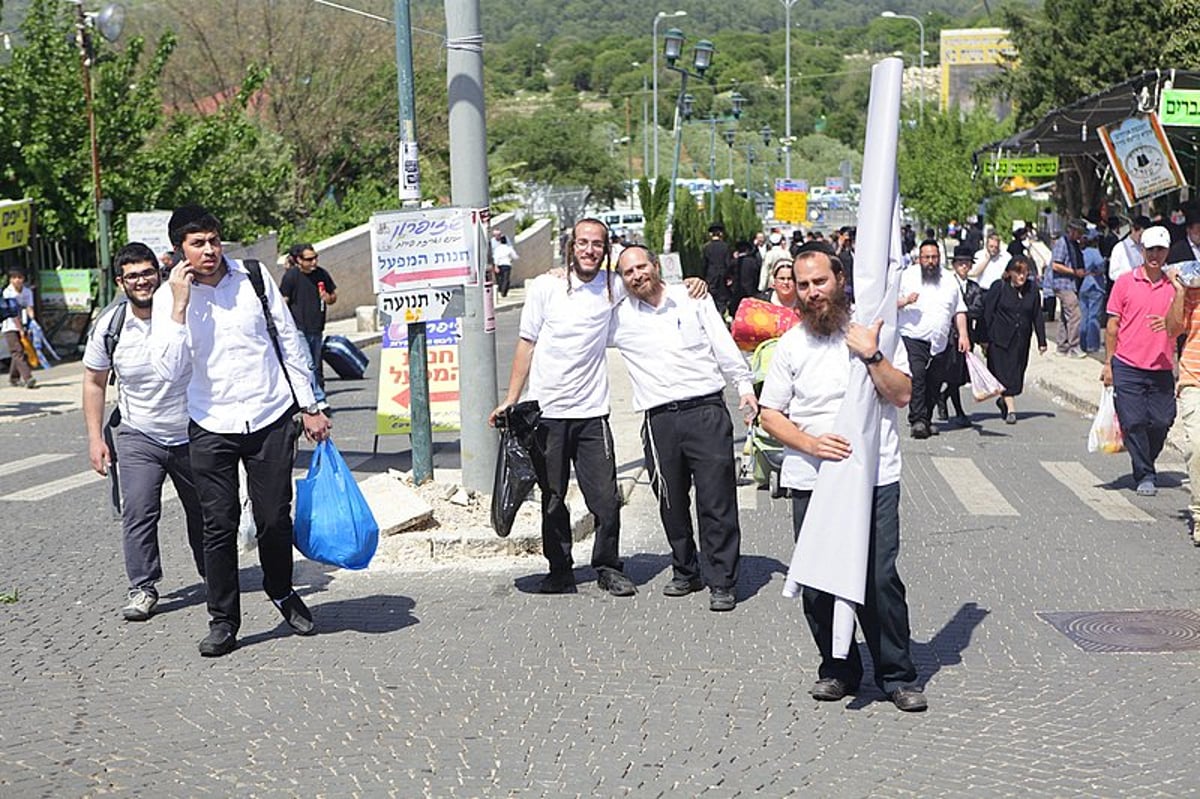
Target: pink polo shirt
{"x":1134,"y":299}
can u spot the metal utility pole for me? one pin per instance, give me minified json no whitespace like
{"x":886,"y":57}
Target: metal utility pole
{"x":787,"y":85}
{"x":469,"y":189}
{"x":421,"y":434}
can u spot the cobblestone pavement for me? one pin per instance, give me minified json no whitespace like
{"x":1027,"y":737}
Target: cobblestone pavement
{"x":460,"y":682}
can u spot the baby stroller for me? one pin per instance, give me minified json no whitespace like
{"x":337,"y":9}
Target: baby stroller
{"x":762,"y":458}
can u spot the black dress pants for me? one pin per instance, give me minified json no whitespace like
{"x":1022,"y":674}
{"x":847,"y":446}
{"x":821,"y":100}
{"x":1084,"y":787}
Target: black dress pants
{"x":883,"y":616}
{"x":587,"y":443}
{"x":694,"y":445}
{"x":926,"y":380}
{"x":268,"y":454}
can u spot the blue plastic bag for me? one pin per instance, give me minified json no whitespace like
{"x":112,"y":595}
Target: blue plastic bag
{"x":334,"y":524}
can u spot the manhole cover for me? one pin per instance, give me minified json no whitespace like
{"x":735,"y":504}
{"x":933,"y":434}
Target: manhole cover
{"x":1129,"y":630}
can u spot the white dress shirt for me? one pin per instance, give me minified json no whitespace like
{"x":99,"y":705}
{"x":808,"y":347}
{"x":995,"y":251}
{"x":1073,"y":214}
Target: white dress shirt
{"x":1126,"y":257}
{"x":154,"y":407}
{"x":24,"y":298}
{"x":807,"y":382}
{"x":237,"y":383}
{"x":930,"y":317}
{"x":568,"y":322}
{"x":987,"y":269}
{"x":677,"y":350}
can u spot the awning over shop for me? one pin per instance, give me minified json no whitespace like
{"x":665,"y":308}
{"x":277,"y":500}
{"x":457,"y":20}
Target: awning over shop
{"x":1071,"y":129}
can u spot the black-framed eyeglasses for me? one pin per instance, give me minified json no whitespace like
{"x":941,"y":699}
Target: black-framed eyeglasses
{"x":134,"y":277}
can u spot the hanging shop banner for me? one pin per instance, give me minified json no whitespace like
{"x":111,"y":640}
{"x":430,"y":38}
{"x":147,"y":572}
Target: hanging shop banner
{"x":1179,"y":108}
{"x":1044,"y":166}
{"x":791,"y":201}
{"x":1141,"y":157}
{"x":393,"y":409}
{"x":16,"y":220}
{"x":423,"y":248}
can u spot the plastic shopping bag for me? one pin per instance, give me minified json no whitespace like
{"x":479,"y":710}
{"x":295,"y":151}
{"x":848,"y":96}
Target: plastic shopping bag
{"x":983,"y":384}
{"x":1105,"y":435}
{"x":334,"y":524}
{"x":515,"y":474}
{"x":247,"y":530}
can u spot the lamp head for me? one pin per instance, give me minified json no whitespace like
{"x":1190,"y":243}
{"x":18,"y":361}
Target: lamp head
{"x":686,"y":105}
{"x":738,"y":101}
{"x":702,"y":55}
{"x":110,"y":21}
{"x":766,"y":134}
{"x":672,"y":45}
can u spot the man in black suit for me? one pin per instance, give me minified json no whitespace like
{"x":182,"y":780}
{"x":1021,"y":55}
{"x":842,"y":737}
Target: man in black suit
{"x":1188,"y":247}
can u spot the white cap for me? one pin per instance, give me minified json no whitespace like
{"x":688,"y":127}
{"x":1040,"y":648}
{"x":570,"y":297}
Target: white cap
{"x":776,"y":238}
{"x":1156,"y":236}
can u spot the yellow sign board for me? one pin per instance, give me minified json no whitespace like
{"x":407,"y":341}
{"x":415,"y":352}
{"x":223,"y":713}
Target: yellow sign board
{"x":16,"y":220}
{"x":394,"y":407}
{"x":791,"y":201}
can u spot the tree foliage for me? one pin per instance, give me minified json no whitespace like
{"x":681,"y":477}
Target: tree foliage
{"x":935,"y":167}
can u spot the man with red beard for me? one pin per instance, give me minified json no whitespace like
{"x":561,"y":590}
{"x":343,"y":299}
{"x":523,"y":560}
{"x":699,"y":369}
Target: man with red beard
{"x":805,"y":387}
{"x":676,"y":350}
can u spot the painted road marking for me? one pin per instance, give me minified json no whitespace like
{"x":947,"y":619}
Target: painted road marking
{"x":977,"y":494}
{"x":1107,"y":502}
{"x":49,"y":489}
{"x":31,"y":462}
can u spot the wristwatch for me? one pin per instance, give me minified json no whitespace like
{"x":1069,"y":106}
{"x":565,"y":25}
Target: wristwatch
{"x":311,"y":410}
{"x":876,"y":358}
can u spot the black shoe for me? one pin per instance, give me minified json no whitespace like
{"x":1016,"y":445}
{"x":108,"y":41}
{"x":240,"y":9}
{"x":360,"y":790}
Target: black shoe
{"x":933,"y":430}
{"x":1002,"y":406}
{"x":615,"y":583}
{"x":681,"y":587}
{"x":943,"y":412}
{"x":920,"y":430}
{"x":556,"y":583}
{"x":219,"y":641}
{"x":962,"y":420}
{"x":1010,"y":418}
{"x":721,"y":600}
{"x":830,"y":689}
{"x":296,"y":614}
{"x":910,"y":700}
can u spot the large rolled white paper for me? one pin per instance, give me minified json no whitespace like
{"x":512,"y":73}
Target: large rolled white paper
{"x":831,"y":553}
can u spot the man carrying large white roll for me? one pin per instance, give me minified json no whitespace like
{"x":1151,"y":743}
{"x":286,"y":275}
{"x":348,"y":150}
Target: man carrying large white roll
{"x":804,"y":389}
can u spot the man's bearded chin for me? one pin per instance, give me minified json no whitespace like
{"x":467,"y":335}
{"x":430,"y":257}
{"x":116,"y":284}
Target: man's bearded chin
{"x":931,"y":275}
{"x":828,"y":317}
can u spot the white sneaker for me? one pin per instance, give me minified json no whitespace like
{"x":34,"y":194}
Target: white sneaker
{"x":140,"y":606}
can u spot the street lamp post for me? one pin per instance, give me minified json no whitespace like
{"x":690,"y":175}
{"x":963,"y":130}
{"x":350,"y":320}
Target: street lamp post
{"x":654,"y":70}
{"x":108,"y":21}
{"x":787,"y":82}
{"x":701,"y":60}
{"x":921,"y":59}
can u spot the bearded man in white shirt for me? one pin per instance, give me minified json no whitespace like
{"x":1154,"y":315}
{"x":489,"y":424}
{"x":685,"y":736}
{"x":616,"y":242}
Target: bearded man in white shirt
{"x":245,"y":390}
{"x":805,"y":387}
{"x":676,"y":349}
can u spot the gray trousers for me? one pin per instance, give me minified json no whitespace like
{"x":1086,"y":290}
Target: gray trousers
{"x":1068,"y":327}
{"x":144,"y":465}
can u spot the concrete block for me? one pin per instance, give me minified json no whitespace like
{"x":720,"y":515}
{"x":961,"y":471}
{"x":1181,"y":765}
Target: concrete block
{"x":396,"y":506}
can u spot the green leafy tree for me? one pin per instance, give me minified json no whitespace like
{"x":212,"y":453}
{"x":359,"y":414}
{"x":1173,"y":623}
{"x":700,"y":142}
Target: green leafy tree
{"x":555,"y":146}
{"x":935,"y":166}
{"x":653,"y":202}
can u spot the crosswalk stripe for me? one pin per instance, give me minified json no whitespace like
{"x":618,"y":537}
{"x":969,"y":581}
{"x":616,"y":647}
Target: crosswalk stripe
{"x":52,"y":487}
{"x":976,"y":493}
{"x":32,"y":462}
{"x":747,"y":497}
{"x":1085,"y":485}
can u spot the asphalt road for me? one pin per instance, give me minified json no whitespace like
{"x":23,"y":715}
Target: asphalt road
{"x":459,"y":681}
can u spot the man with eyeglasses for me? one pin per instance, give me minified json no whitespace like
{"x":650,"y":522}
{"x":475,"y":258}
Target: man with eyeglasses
{"x":151,"y":422}
{"x":561,"y":354}
{"x":308,"y":289}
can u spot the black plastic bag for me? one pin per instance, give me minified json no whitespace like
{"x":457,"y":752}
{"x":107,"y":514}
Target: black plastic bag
{"x":515,"y":473}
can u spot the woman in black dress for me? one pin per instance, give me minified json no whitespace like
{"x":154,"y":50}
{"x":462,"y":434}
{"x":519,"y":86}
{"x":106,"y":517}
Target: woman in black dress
{"x":1012,"y":312}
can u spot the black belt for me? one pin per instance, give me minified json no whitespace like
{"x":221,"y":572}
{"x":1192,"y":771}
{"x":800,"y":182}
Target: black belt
{"x":716,"y":398}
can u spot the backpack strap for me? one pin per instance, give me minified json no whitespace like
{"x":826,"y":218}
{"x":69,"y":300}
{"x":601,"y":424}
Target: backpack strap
{"x":254,"y":272}
{"x":112,"y":335}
